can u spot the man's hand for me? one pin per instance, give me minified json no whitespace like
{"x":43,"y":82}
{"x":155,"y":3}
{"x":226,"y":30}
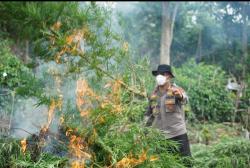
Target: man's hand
{"x":177,"y":92}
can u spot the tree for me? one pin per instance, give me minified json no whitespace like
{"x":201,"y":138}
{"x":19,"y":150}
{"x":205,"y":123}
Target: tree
{"x":245,"y":22}
{"x":168,"y":20}
{"x":23,"y":21}
{"x":212,"y":32}
{"x":235,"y":19}
{"x":141,"y":27}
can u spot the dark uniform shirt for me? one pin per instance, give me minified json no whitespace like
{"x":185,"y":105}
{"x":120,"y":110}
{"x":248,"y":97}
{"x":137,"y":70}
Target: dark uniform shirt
{"x":165,"y":112}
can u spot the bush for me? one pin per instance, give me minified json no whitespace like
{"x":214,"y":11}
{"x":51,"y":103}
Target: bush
{"x":11,"y":156}
{"x":205,"y":85}
{"x":229,"y":153}
{"x":15,"y":76}
{"x":11,"y":67}
{"x":211,"y":133}
{"x":115,"y":134}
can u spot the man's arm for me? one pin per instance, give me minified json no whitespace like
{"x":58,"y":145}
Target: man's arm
{"x":148,"y":115}
{"x":181,"y":95}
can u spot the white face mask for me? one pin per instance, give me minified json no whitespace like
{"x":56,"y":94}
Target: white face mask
{"x":161,"y":80}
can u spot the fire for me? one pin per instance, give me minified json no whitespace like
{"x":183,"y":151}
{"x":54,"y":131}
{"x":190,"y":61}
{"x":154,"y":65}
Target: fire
{"x":116,"y":91}
{"x":72,"y":41}
{"x":78,"y":149}
{"x":114,"y":97}
{"x":58,"y":83}
{"x":75,"y":37}
{"x":132,"y":162}
{"x":77,"y":164}
{"x":76,"y":146}
{"x":23,"y":145}
{"x":84,"y":95}
{"x":83,"y":91}
{"x":53,"y":105}
{"x":51,"y":112}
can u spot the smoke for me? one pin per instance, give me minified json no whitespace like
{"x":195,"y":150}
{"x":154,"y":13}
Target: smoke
{"x":126,"y":7}
{"x":122,"y":8}
{"x":27,"y":117}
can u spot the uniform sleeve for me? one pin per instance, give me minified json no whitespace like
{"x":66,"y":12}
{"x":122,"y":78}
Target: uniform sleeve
{"x":148,"y":110}
{"x":148,"y":115}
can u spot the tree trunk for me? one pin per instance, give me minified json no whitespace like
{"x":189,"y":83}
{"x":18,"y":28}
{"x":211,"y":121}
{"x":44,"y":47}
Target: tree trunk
{"x":168,"y":20}
{"x":198,"y":50}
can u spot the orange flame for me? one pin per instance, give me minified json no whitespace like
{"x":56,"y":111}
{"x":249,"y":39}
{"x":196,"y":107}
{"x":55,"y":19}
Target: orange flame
{"x":83,"y":91}
{"x":132,"y":162}
{"x":75,"y":37}
{"x":23,"y":145}
{"x":51,"y":112}
{"x":116,"y":90}
{"x":77,"y":164}
{"x":78,"y":149}
{"x":53,"y":105}
{"x":114,"y":97}
{"x":72,"y":42}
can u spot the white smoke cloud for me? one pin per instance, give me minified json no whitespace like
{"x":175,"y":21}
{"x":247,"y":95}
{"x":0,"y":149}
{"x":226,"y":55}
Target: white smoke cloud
{"x":27,"y":116}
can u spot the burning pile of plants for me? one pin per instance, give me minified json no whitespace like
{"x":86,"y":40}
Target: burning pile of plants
{"x":97,"y":119}
{"x":103,"y":130}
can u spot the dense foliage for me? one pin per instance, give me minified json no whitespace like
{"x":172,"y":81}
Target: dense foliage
{"x":218,"y":25}
{"x":205,"y":85}
{"x":228,"y":153}
{"x":95,"y":85}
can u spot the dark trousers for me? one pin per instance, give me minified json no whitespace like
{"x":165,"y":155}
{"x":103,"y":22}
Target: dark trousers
{"x":184,"y":148}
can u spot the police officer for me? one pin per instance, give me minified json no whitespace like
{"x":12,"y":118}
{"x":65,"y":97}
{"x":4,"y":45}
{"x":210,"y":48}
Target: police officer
{"x":165,"y":110}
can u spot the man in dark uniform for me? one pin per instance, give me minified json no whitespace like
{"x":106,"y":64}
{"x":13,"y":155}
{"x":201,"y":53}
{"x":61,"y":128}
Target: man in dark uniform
{"x":165,"y":110}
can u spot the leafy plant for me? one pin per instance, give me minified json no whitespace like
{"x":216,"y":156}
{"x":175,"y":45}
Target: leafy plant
{"x":230,"y":153}
{"x":15,"y":75}
{"x":11,"y":156}
{"x":205,"y":85}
